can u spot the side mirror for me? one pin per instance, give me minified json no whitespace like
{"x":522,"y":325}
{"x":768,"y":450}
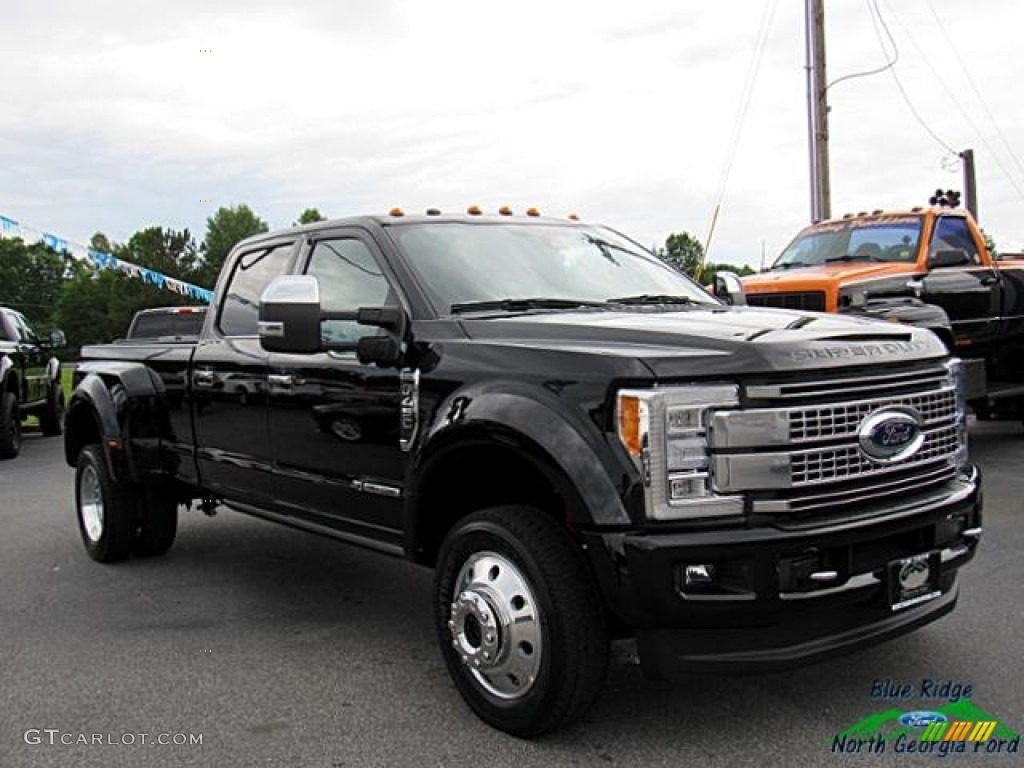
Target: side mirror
{"x":57,"y":339}
{"x":289,"y":319}
{"x":953,"y":258}
{"x":729,"y":288}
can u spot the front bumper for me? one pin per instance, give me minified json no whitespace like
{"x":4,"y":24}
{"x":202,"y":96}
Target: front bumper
{"x":786,"y":594}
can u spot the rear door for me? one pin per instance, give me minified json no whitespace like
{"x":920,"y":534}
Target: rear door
{"x":335,"y":422}
{"x":227,"y":383}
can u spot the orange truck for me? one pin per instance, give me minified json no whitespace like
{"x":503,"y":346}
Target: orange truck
{"x":926,"y":267}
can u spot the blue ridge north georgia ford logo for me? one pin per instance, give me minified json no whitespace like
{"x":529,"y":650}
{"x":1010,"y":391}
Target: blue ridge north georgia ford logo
{"x":891,"y":434}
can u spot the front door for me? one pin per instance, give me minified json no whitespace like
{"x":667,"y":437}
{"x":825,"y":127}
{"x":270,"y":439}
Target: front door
{"x":334,"y":422}
{"x":970,"y":293}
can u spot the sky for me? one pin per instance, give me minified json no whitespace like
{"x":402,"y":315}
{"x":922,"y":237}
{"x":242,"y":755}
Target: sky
{"x":116,"y":116}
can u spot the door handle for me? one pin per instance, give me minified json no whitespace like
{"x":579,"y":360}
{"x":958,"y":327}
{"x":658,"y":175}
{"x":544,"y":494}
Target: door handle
{"x":280,"y":379}
{"x":988,"y":279}
{"x":204,"y":378}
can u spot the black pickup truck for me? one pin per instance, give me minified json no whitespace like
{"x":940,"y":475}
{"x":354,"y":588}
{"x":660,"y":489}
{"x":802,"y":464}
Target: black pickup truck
{"x":582,"y":443}
{"x":29,"y":381}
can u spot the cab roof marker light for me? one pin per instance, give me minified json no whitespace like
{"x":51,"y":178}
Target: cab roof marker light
{"x":433,"y":211}
{"x":474,"y":210}
{"x":877,"y":212}
{"x":505,"y":210}
{"x":532,"y":212}
{"x":574,"y":217}
{"x":396,"y":212}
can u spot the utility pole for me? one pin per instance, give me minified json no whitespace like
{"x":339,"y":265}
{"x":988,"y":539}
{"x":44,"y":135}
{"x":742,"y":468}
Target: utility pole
{"x":970,"y":183}
{"x":817,"y":110}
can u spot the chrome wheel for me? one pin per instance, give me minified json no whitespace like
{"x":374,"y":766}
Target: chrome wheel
{"x":90,"y":500}
{"x":495,"y":625}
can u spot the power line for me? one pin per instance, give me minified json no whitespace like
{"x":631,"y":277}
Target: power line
{"x":964,"y":112}
{"x":977,"y":93}
{"x":878,"y":20}
{"x":746,"y":97}
{"x":877,"y":70}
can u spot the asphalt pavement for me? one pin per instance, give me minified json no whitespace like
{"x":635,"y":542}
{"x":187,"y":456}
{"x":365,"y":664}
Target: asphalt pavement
{"x":253,"y":645}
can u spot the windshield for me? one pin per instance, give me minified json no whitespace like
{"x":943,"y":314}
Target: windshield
{"x":888,"y":239}
{"x":462,"y":264}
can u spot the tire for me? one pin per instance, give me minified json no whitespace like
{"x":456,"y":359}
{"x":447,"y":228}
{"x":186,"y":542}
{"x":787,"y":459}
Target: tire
{"x":108,"y":511}
{"x":158,"y":525}
{"x":51,"y":417}
{"x":544,"y":669}
{"x":10,"y":426}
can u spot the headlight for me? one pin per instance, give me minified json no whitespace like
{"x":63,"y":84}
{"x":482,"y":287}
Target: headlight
{"x":955,"y":377}
{"x":665,"y":432}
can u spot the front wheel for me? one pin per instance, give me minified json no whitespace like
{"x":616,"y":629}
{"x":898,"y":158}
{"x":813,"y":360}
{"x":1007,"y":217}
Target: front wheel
{"x":107,"y":510}
{"x":520,"y":621}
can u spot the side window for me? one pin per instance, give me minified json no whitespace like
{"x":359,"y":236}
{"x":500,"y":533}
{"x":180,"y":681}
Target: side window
{"x":952,"y":234}
{"x":349,"y":278}
{"x":6,"y":327}
{"x":239,"y":312}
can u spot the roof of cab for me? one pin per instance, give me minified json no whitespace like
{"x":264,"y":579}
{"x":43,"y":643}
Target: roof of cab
{"x":387,"y":220}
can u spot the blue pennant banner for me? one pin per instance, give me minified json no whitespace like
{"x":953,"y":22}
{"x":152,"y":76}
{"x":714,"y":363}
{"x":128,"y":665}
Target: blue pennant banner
{"x":11,"y":228}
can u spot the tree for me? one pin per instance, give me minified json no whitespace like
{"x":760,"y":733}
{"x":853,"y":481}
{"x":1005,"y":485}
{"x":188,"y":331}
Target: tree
{"x":100,"y":242}
{"x":682,"y":251}
{"x":310,"y":215}
{"x":98,"y":305}
{"x":30,"y":279}
{"x":82,"y":310}
{"x":168,"y":251}
{"x":224,"y":230}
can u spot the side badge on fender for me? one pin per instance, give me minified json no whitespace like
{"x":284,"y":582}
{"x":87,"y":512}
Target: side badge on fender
{"x":410,"y":408}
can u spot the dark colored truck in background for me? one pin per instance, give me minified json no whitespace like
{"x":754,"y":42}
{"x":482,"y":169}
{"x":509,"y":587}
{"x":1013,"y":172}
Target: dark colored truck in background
{"x":581,"y":442}
{"x":183,"y":323}
{"x":29,"y":381}
{"x":928,"y":267}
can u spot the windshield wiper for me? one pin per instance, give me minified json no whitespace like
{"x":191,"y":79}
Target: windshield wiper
{"x":791,"y":265}
{"x":655,"y":298}
{"x":853,"y":257}
{"x":605,"y":247}
{"x":522,"y":305}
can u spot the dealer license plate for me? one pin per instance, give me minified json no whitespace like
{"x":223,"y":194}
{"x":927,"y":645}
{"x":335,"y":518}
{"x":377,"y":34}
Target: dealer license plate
{"x":913,"y":580}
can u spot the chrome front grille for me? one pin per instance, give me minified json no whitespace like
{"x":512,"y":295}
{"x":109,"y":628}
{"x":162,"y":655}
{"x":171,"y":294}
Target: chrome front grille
{"x":848,"y":462}
{"x":796,"y":447}
{"x":836,"y":421}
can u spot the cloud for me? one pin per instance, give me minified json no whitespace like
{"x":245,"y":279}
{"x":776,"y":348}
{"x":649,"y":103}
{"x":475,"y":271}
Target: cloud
{"x":116,"y":117}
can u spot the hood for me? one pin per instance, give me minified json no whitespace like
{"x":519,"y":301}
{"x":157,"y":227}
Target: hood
{"x":714,"y":340}
{"x":838,"y":272}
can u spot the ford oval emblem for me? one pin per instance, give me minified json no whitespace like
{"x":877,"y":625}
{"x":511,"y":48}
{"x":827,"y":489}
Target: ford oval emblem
{"x":891,"y":435}
{"x":920,"y":719}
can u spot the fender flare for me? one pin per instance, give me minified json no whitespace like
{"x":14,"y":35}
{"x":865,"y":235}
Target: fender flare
{"x":95,"y":397}
{"x":541,"y":423}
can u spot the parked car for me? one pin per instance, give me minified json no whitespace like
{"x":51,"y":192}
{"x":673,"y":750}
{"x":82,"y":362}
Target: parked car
{"x":29,"y":381}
